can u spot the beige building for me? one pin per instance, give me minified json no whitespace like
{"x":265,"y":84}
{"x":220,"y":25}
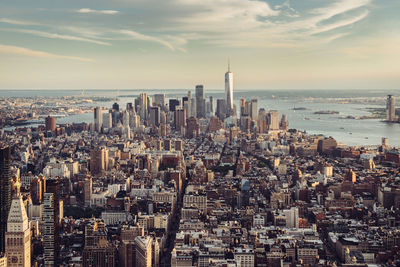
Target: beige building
{"x":144,"y":248}
{"x":18,"y":239}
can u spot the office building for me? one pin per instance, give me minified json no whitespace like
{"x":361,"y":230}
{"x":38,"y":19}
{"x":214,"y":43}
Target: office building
{"x":107,"y":120}
{"x":50,"y":123}
{"x":49,"y":230}
{"x":167,"y":144}
{"x":115,"y":107}
{"x":98,"y":251}
{"x":144,"y":248}
{"x":273,"y":120}
{"x":5,"y":192}
{"x":254,"y":109}
{"x":159,"y":100}
{"x":192,"y":128}
{"x":87,"y":190}
{"x":97,"y":119}
{"x":173,"y":103}
{"x":229,"y":92}
{"x":390,"y":109}
{"x":142,"y":108}
{"x":211,"y":105}
{"x":179,"y":118}
{"x":155,"y":116}
{"x":52,"y":214}
{"x":18,"y":235}
{"x":200,"y":102}
{"x":221,"y":109}
{"x":98,"y":160}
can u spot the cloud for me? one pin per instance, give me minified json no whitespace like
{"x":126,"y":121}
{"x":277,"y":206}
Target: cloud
{"x":341,"y":23}
{"x":58,"y":36}
{"x":18,"y":22}
{"x":16,"y":50}
{"x":143,"y":37}
{"x":94,"y":11}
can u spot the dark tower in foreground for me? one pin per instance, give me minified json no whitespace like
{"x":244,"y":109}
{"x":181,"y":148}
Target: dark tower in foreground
{"x":5,"y":192}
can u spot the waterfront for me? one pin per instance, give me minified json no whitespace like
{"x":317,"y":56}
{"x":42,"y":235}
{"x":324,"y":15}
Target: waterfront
{"x":347,"y":102}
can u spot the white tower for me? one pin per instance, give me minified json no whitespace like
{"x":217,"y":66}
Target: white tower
{"x":229,"y":91}
{"x":97,"y":119}
{"x":390,"y":109}
{"x":18,"y":240}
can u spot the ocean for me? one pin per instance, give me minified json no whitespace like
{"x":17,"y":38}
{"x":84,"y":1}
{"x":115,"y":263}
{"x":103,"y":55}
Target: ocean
{"x":298,"y":105}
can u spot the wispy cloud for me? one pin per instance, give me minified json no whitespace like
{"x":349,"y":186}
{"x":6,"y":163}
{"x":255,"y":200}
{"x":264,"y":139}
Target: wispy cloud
{"x":143,"y":37}
{"x":58,"y":36}
{"x":18,"y":22}
{"x":16,"y":50}
{"x":94,"y":11}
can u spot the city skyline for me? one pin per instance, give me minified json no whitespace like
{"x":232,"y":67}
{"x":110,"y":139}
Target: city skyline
{"x":272,"y":44}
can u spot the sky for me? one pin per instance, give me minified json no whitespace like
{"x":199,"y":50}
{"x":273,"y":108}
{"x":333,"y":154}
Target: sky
{"x":130,"y":44}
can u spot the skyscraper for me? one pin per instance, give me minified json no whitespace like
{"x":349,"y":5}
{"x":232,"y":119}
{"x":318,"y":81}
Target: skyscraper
{"x":18,"y":253}
{"x":159,"y":100}
{"x":254,"y":109}
{"x":98,"y":160}
{"x":143,"y":106}
{"x":229,"y":92}
{"x":273,"y":120}
{"x":50,"y":123}
{"x":51,"y":221}
{"x":98,"y":251}
{"x":97,"y":119}
{"x":221,"y":109}
{"x":155,"y":116}
{"x":143,"y":251}
{"x":390,"y":109}
{"x":5,"y":192}
{"x":49,"y":229}
{"x":179,"y":118}
{"x":200,"y":102}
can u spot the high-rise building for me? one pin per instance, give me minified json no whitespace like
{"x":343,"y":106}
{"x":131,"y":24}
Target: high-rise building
{"x":178,"y":145}
{"x":221,"y":109}
{"x":390,"y":108}
{"x":107,"y":120}
{"x":38,"y":188}
{"x":143,"y":106}
{"x":50,"y":123}
{"x":49,"y":230}
{"x":200,"y":102}
{"x":159,"y":100}
{"x":87,"y":190}
{"x":173,"y":103}
{"x":192,"y":128}
{"x":144,"y":248}
{"x":229,"y":92}
{"x":97,"y":119}
{"x":52,"y":214}
{"x":18,"y":235}
{"x":98,"y":251}
{"x":115,"y":107}
{"x":284,"y":124}
{"x":179,"y":118}
{"x":134,"y":120}
{"x":155,"y":116}
{"x":212,"y":105}
{"x":167,"y":144}
{"x":98,"y":160}
{"x":125,"y":118}
{"x":5,"y":192}
{"x":273,"y":120}
{"x":129,"y":106}
{"x":254,"y":110}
